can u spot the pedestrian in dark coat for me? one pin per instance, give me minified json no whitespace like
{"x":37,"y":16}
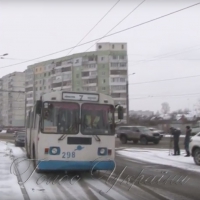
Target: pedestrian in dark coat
{"x":187,"y":140}
{"x":176,"y":134}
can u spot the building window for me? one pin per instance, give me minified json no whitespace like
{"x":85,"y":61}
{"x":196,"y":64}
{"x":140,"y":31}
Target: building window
{"x":113,"y":46}
{"x":114,"y":80}
{"x":122,"y":46}
{"x":103,"y":88}
{"x":122,"y":64}
{"x":122,"y":57}
{"x":44,"y":74}
{"x":102,"y":58}
{"x":114,"y":57}
{"x":118,"y":87}
{"x":58,"y":64}
{"x":104,"y":80}
{"x":93,"y":73}
{"x":114,"y":64}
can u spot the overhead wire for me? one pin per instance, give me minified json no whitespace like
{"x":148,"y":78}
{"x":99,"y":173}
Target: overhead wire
{"x":117,"y":24}
{"x":94,"y":27}
{"x":174,"y":95}
{"x":170,"y":79}
{"x":123,"y":30}
{"x":165,"y":56}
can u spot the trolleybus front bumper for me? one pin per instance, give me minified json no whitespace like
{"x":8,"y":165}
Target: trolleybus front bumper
{"x":75,"y":165}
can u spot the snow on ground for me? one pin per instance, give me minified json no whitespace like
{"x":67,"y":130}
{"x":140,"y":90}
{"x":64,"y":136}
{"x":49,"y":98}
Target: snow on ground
{"x":167,"y":136}
{"x":161,"y":156}
{"x":41,"y":186}
{"x":8,"y":181}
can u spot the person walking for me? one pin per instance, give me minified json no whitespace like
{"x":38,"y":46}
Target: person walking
{"x":187,"y":141}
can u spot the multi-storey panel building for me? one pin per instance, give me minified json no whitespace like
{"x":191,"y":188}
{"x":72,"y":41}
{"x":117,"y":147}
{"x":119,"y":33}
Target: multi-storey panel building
{"x":12,"y":99}
{"x":104,"y":70}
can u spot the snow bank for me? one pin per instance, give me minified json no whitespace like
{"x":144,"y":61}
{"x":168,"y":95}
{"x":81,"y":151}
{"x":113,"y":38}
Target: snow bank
{"x":9,"y":187}
{"x":161,"y":156}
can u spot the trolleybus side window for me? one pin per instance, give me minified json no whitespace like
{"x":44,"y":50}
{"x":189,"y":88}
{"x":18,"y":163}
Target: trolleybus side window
{"x":60,"y":117}
{"x":97,"y":119}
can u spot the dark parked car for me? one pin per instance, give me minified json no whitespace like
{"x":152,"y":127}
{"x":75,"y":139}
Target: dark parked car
{"x":137,"y":133}
{"x":20,"y":140}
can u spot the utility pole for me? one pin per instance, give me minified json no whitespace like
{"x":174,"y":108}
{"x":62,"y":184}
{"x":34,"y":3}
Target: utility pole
{"x":127,"y":102}
{"x":127,"y":99}
{"x":34,"y":86}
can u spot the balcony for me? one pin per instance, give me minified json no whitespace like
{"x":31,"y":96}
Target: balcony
{"x":89,"y":75}
{"x":118,"y":66}
{"x":29,"y":98}
{"x":118,"y":91}
{"x":118,"y":73}
{"x":67,"y":88}
{"x":90,"y":82}
{"x":64,"y":84}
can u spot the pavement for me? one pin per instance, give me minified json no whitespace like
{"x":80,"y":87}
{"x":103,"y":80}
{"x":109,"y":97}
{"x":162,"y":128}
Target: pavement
{"x":147,"y":176}
{"x":165,"y":143}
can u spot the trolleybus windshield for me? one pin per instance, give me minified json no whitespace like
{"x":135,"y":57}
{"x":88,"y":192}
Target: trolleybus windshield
{"x":60,"y":117}
{"x":97,"y":119}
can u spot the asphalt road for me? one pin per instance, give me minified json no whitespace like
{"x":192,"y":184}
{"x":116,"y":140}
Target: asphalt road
{"x":164,"y":144}
{"x":147,"y":176}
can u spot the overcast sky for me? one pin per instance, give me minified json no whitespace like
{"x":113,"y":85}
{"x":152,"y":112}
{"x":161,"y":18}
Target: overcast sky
{"x":163,"y":49}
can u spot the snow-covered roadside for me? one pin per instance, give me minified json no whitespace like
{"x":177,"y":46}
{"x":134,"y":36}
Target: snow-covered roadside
{"x":161,"y":156}
{"x":9,"y":186}
{"x":45,"y":186}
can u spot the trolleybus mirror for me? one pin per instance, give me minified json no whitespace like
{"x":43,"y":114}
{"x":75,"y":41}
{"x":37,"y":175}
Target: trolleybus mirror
{"x":120,"y":112}
{"x":38,"y":107}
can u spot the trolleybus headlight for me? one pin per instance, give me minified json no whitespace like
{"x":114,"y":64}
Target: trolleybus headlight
{"x":54,"y":150}
{"x":102,"y":151}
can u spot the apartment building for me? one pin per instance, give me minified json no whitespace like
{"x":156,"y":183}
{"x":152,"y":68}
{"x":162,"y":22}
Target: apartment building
{"x":104,"y":70}
{"x":12,"y":99}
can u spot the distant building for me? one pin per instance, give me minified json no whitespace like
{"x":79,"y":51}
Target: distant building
{"x":12,"y":102}
{"x":104,"y":70}
{"x":146,"y":113}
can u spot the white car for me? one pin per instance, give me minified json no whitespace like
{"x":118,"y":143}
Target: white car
{"x":194,"y":148}
{"x":3,"y":131}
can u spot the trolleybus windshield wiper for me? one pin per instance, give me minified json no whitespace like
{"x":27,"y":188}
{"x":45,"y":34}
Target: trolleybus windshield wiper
{"x":96,"y":138}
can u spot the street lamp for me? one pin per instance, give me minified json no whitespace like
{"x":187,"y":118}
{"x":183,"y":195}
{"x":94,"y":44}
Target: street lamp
{"x":127,"y":98}
{"x":5,"y":54}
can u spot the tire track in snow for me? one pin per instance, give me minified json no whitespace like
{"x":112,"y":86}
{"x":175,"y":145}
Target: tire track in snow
{"x":66,"y":193}
{"x":88,"y":191}
{"x":19,"y":178}
{"x":101,"y":193}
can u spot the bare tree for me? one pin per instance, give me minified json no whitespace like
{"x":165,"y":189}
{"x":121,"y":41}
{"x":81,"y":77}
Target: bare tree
{"x":165,"y":108}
